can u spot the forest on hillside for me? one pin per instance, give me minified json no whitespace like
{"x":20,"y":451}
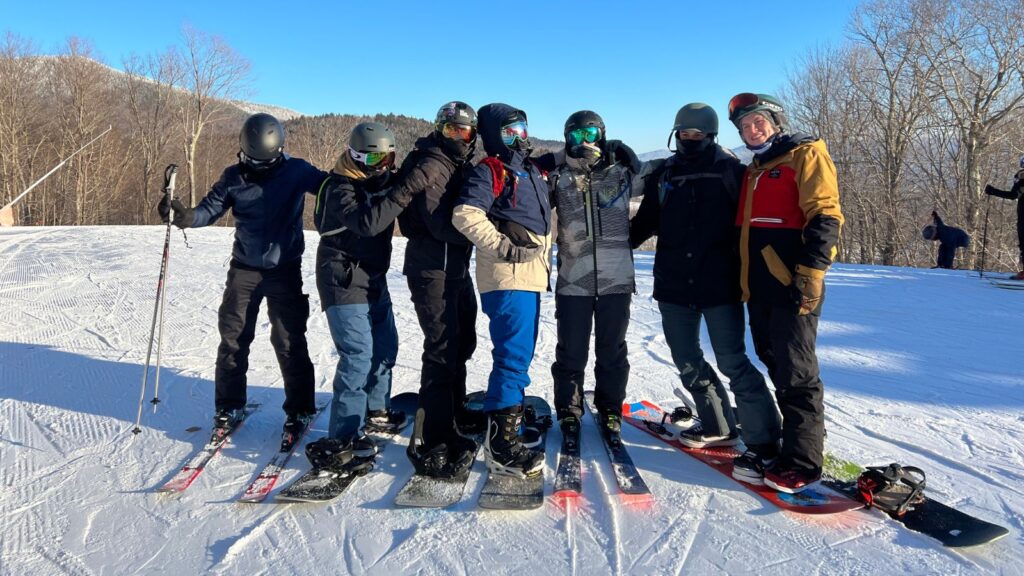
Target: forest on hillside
{"x":921,"y":106}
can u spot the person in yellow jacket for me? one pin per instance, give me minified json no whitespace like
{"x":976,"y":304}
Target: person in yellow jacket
{"x":789,"y":219}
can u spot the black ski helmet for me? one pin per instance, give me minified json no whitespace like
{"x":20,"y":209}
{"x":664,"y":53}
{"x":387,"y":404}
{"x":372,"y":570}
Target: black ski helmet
{"x":584,"y":119}
{"x":262,"y":138}
{"x":455,"y":112}
{"x":746,"y":103}
{"x":372,"y":137}
{"x":695,"y":116}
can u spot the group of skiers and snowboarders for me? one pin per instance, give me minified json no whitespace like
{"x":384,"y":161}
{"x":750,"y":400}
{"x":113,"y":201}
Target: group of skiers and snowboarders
{"x":763,"y":234}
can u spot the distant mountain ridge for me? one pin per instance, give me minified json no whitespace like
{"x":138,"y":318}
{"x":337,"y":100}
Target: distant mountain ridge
{"x":741,"y":152}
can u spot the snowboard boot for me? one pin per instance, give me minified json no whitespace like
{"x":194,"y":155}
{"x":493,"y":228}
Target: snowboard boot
{"x":750,"y":467}
{"x":461,"y":453}
{"x":385,"y":421}
{"x":790,"y":479}
{"x":294,"y":426}
{"x":330,"y":454}
{"x":610,"y":424}
{"x":503,"y":448}
{"x":696,"y":437}
{"x":228,"y":418}
{"x":364,"y":447}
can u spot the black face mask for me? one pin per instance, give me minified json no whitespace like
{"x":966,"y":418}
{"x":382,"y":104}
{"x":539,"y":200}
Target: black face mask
{"x":692,"y":148}
{"x":589,"y":154}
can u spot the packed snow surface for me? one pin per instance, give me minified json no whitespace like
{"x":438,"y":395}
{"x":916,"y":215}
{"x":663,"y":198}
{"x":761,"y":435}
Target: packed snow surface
{"x":921,"y":367}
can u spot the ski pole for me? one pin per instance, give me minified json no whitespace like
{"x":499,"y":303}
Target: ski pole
{"x":984,"y":238}
{"x":54,"y":169}
{"x":170,"y":174}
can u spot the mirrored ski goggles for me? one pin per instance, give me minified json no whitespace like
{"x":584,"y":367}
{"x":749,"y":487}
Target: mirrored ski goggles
{"x":511,"y":132}
{"x":589,"y":134}
{"x":458,"y":131}
{"x":742,"y":100}
{"x":373,"y":158}
{"x":257,"y":164}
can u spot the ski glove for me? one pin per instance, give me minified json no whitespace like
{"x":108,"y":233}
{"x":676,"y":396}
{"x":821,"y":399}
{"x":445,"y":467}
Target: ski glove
{"x":182,"y":215}
{"x":509,"y":252}
{"x":809,"y":284}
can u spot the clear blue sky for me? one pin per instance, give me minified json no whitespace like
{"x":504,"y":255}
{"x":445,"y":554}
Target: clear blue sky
{"x":634,"y":63}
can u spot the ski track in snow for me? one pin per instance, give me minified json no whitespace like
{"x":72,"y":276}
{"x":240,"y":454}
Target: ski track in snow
{"x":920,"y":366}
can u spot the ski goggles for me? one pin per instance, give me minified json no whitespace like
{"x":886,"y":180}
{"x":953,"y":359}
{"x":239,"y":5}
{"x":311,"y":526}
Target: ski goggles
{"x":589,"y":134}
{"x":458,"y":131}
{"x":689,"y":134}
{"x":257,"y":164}
{"x":373,"y":158}
{"x":742,"y":100}
{"x":512,"y":132}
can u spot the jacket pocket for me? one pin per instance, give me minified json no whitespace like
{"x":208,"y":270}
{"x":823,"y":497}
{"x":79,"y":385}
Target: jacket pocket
{"x":776,"y":266}
{"x":336,"y":273}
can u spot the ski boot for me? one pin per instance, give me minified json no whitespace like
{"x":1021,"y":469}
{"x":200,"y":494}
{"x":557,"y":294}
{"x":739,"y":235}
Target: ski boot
{"x":610,"y":425}
{"x":294,"y":426}
{"x":503,"y":448}
{"x":227,"y":418}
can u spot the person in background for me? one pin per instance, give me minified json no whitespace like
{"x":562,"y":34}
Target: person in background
{"x":1016,"y":192}
{"x":949,"y":238}
{"x":790,"y":219}
{"x":265,"y":192}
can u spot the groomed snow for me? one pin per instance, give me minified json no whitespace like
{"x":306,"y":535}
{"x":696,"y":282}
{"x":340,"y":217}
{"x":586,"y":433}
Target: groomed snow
{"x":920,"y":366}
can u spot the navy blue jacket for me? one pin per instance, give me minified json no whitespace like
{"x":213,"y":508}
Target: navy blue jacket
{"x":524,"y":199}
{"x":267,"y":208}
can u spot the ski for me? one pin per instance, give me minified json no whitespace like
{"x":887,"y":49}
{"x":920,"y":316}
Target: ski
{"x":324,"y":485}
{"x":512,"y":493}
{"x":649,"y":417}
{"x":197,"y":463}
{"x":627,"y":477}
{"x":422,"y":491}
{"x":260,"y":487}
{"x":1007,"y":284}
{"x":568,"y":471}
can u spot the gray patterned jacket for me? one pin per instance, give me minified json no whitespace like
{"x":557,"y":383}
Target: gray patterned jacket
{"x":594,"y":257}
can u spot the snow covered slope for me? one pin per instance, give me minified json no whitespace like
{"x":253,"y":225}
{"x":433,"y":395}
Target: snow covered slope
{"x":923,"y":367}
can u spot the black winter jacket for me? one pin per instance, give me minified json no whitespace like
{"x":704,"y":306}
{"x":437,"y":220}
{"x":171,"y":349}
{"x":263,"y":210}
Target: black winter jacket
{"x":690,"y":204}
{"x":356,"y":219}
{"x":435,"y":248}
{"x":267,"y":208}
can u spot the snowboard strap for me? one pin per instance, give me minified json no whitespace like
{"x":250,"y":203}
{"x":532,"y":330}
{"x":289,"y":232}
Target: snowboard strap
{"x":893,"y":488}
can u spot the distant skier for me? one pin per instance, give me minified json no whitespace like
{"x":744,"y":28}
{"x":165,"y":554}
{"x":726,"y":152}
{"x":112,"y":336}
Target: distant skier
{"x":592,"y":182}
{"x":1015,"y":193}
{"x":690,"y":202}
{"x":355,"y":215}
{"x":265,"y":192}
{"x":503,"y":210}
{"x":789,"y":218}
{"x":437,"y":270}
{"x":949,"y":238}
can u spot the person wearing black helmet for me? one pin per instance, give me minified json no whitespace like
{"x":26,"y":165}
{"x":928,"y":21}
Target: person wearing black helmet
{"x":949,"y":238}
{"x":789,"y":218}
{"x":1016,"y":192}
{"x":592,"y":183}
{"x":504,"y":210}
{"x":265,"y":192}
{"x":355,"y":214}
{"x":437,"y":270}
{"x":690,"y":202}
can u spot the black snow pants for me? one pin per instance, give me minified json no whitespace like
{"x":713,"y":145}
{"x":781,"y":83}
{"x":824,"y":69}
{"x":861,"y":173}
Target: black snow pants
{"x":288,"y":308}
{"x":608,"y":316}
{"x":447,"y":310}
{"x":785,"y":341}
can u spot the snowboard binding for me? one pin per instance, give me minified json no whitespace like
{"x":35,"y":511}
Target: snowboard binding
{"x":534,"y":427}
{"x":894,"y":489}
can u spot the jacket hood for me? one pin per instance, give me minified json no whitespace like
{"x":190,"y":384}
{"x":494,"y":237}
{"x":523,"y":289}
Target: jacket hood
{"x":491,"y":118}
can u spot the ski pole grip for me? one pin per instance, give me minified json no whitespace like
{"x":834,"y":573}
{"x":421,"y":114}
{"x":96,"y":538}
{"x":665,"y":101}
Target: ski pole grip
{"x":170,"y":175}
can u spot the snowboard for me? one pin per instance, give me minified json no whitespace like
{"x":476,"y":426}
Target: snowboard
{"x":197,"y":463}
{"x":631,"y":485}
{"x":648,"y":417}
{"x":425,"y":492}
{"x":324,"y":485}
{"x":951,"y":527}
{"x":511,"y":493}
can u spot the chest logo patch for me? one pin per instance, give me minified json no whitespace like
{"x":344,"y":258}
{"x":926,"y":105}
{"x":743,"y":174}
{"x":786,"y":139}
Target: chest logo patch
{"x":775,"y":173}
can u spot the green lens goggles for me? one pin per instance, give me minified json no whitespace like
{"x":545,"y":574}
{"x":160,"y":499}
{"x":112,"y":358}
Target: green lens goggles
{"x":589,"y":134}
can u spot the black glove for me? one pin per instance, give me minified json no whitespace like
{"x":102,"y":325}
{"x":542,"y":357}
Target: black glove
{"x":182,"y":215}
{"x":401,"y":195}
{"x":624,"y":155}
{"x":991,"y":190}
{"x":509,"y":252}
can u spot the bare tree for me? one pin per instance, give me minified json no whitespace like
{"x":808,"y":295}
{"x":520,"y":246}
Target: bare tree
{"x":21,"y":120}
{"x":148,"y":85}
{"x":213,"y":72}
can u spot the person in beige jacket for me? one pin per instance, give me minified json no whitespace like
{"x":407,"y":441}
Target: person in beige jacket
{"x":504,"y":211}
